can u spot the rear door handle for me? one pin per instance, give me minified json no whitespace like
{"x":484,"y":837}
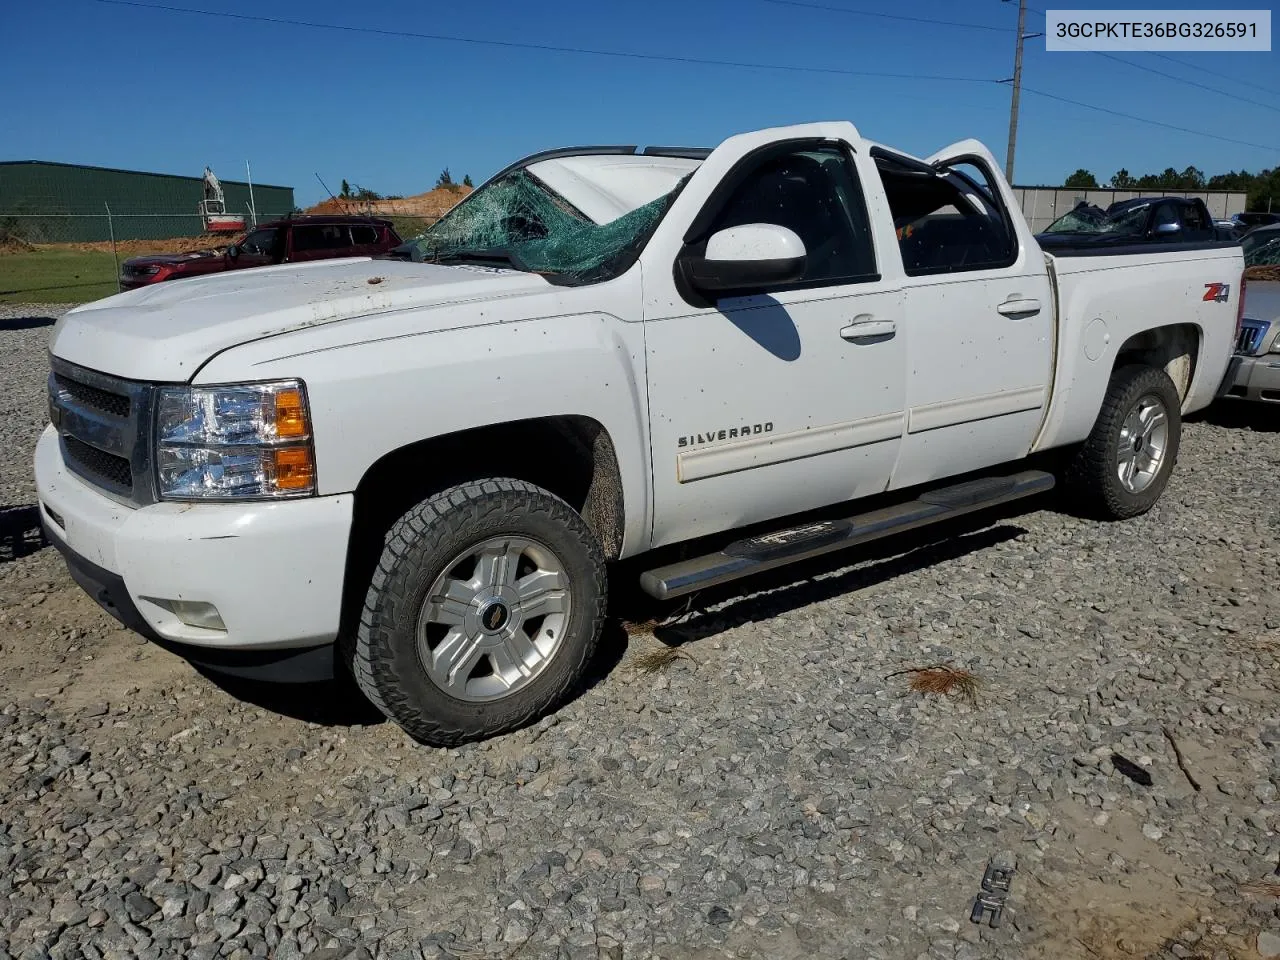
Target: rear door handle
{"x":869,"y":329}
{"x":1016,"y":308}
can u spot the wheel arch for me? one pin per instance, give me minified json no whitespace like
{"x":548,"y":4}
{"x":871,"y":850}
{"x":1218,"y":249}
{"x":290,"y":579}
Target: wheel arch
{"x":1173,"y":348}
{"x":571,"y":456}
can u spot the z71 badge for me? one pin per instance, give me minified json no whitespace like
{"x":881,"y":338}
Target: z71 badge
{"x":729,"y":433}
{"x":1217,"y":292}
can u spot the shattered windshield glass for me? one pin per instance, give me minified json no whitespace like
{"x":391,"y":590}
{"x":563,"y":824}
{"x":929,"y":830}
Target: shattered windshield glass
{"x":1090,"y":219}
{"x":518,"y":222}
{"x":1261,"y":248}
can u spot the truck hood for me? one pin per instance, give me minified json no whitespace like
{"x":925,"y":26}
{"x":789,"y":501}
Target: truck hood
{"x":1262,"y":301}
{"x":167,"y":331}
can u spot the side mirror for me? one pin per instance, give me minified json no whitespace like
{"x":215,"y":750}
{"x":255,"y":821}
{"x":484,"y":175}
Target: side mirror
{"x":1167,"y":229}
{"x":747,"y":257}
{"x":233,"y":251}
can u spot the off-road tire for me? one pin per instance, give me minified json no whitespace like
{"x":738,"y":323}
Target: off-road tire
{"x":1091,"y":481}
{"x":383,"y":655}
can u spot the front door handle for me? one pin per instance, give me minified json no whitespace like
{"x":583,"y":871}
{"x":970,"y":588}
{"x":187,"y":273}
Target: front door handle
{"x":868,"y":329}
{"x":1019,"y":308}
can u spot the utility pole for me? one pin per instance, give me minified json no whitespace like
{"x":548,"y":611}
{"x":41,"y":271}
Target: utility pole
{"x":1017,"y":91}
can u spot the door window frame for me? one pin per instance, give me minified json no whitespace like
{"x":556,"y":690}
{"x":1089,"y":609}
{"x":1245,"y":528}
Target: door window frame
{"x":270,"y":254}
{"x":374,"y":228}
{"x":701,"y":228}
{"x":994,"y":197}
{"x":303,"y":227}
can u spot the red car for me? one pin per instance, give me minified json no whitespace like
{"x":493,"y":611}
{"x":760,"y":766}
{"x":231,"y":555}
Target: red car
{"x":283,"y":241}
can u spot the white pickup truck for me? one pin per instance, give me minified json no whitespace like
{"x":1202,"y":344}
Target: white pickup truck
{"x":433,"y":459}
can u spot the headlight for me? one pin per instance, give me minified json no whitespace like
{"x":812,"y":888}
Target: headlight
{"x":1275,"y":347}
{"x":234,"y":442}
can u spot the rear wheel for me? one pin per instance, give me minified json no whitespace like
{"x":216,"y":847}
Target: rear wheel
{"x":482,"y":614}
{"x":1124,"y":466}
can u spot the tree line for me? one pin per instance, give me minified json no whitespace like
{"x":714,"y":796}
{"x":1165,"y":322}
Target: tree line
{"x":1262,"y":189}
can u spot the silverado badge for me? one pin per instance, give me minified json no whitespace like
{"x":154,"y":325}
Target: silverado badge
{"x":729,"y":433}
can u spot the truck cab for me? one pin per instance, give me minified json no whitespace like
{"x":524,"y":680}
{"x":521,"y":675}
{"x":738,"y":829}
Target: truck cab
{"x":422,"y":469}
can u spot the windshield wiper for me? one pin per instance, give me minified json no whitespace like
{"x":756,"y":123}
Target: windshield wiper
{"x":487,"y":255}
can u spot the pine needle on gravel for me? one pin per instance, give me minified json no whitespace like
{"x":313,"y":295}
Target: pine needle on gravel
{"x":1264,"y":888}
{"x":655,"y":661}
{"x":944,"y":681}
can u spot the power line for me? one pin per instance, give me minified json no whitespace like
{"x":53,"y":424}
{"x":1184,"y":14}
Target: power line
{"x":888,"y":16}
{"x":659,"y":58}
{"x":1190,"y":83}
{"x":1167,"y":76}
{"x":546,"y":48}
{"x":1154,"y":123}
{"x":806,"y":4}
{"x":1224,"y":76}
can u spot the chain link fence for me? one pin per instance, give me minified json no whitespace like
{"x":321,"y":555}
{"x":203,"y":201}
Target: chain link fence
{"x":56,"y":228}
{"x":66,"y":257}
{"x":154,"y":232}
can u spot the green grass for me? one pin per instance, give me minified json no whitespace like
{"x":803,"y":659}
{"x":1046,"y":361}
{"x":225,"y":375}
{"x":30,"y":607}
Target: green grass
{"x":409,"y":227}
{"x":56,"y":276}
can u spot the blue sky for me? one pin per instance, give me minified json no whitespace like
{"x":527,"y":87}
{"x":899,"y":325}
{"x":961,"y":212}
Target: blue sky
{"x":88,"y":82}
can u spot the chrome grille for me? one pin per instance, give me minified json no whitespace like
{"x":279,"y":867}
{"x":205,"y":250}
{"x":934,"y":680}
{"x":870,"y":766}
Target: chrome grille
{"x":104,"y":423}
{"x":1251,"y":335}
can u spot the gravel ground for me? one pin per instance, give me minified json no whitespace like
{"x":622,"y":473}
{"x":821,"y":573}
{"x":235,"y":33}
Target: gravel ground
{"x":773,"y":792}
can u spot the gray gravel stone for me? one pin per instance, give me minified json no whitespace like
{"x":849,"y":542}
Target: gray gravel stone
{"x":776,"y":796}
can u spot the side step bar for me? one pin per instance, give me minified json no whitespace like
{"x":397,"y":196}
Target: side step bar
{"x":766,"y":551}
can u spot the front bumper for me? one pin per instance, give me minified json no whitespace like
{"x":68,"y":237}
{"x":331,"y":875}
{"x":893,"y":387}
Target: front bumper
{"x":274,"y":571}
{"x":1253,"y":378}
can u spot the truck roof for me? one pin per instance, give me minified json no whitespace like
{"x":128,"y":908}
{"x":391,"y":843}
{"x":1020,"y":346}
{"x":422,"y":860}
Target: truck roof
{"x":321,"y":218}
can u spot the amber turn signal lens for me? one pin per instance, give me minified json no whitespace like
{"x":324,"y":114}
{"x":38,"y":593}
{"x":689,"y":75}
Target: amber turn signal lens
{"x":294,"y":469}
{"x":291,"y":413}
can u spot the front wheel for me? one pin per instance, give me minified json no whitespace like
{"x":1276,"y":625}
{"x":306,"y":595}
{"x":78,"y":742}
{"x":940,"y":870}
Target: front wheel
{"x":1124,"y":466}
{"x":483,"y":612}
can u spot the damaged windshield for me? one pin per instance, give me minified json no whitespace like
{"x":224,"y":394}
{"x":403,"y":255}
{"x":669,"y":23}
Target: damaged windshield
{"x":1086,"y":218}
{"x":1262,"y":248}
{"x":518,"y":222}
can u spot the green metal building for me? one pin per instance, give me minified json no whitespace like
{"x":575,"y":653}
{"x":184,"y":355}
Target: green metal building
{"x":46,"y":202}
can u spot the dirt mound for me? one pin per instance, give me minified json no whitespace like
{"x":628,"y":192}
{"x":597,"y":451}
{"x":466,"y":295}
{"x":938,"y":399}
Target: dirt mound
{"x":1269,"y":272}
{"x":12,"y":244}
{"x":430,"y":205}
{"x":133,"y":248}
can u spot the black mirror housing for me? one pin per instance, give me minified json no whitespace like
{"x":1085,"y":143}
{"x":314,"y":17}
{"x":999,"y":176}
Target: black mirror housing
{"x":710,"y":277}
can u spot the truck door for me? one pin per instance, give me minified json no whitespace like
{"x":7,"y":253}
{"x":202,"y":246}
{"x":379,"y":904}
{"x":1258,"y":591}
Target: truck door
{"x":261,"y":248}
{"x":782,"y":399}
{"x":979,"y":317}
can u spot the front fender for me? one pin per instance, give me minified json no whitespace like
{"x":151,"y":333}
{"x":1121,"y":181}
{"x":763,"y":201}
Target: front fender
{"x":392,"y":386}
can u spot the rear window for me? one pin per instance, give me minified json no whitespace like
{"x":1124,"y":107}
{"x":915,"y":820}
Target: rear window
{"x":328,"y":236}
{"x":364,"y":235}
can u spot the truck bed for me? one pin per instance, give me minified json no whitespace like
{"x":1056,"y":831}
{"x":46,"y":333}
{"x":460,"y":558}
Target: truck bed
{"x":1093,"y":246}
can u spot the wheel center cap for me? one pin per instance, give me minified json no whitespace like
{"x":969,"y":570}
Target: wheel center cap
{"x":494,"y":615}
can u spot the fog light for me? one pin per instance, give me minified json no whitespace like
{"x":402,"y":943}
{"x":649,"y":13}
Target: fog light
{"x":194,"y":613}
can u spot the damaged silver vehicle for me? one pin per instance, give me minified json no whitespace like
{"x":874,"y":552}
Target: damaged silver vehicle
{"x":1254,"y":373}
